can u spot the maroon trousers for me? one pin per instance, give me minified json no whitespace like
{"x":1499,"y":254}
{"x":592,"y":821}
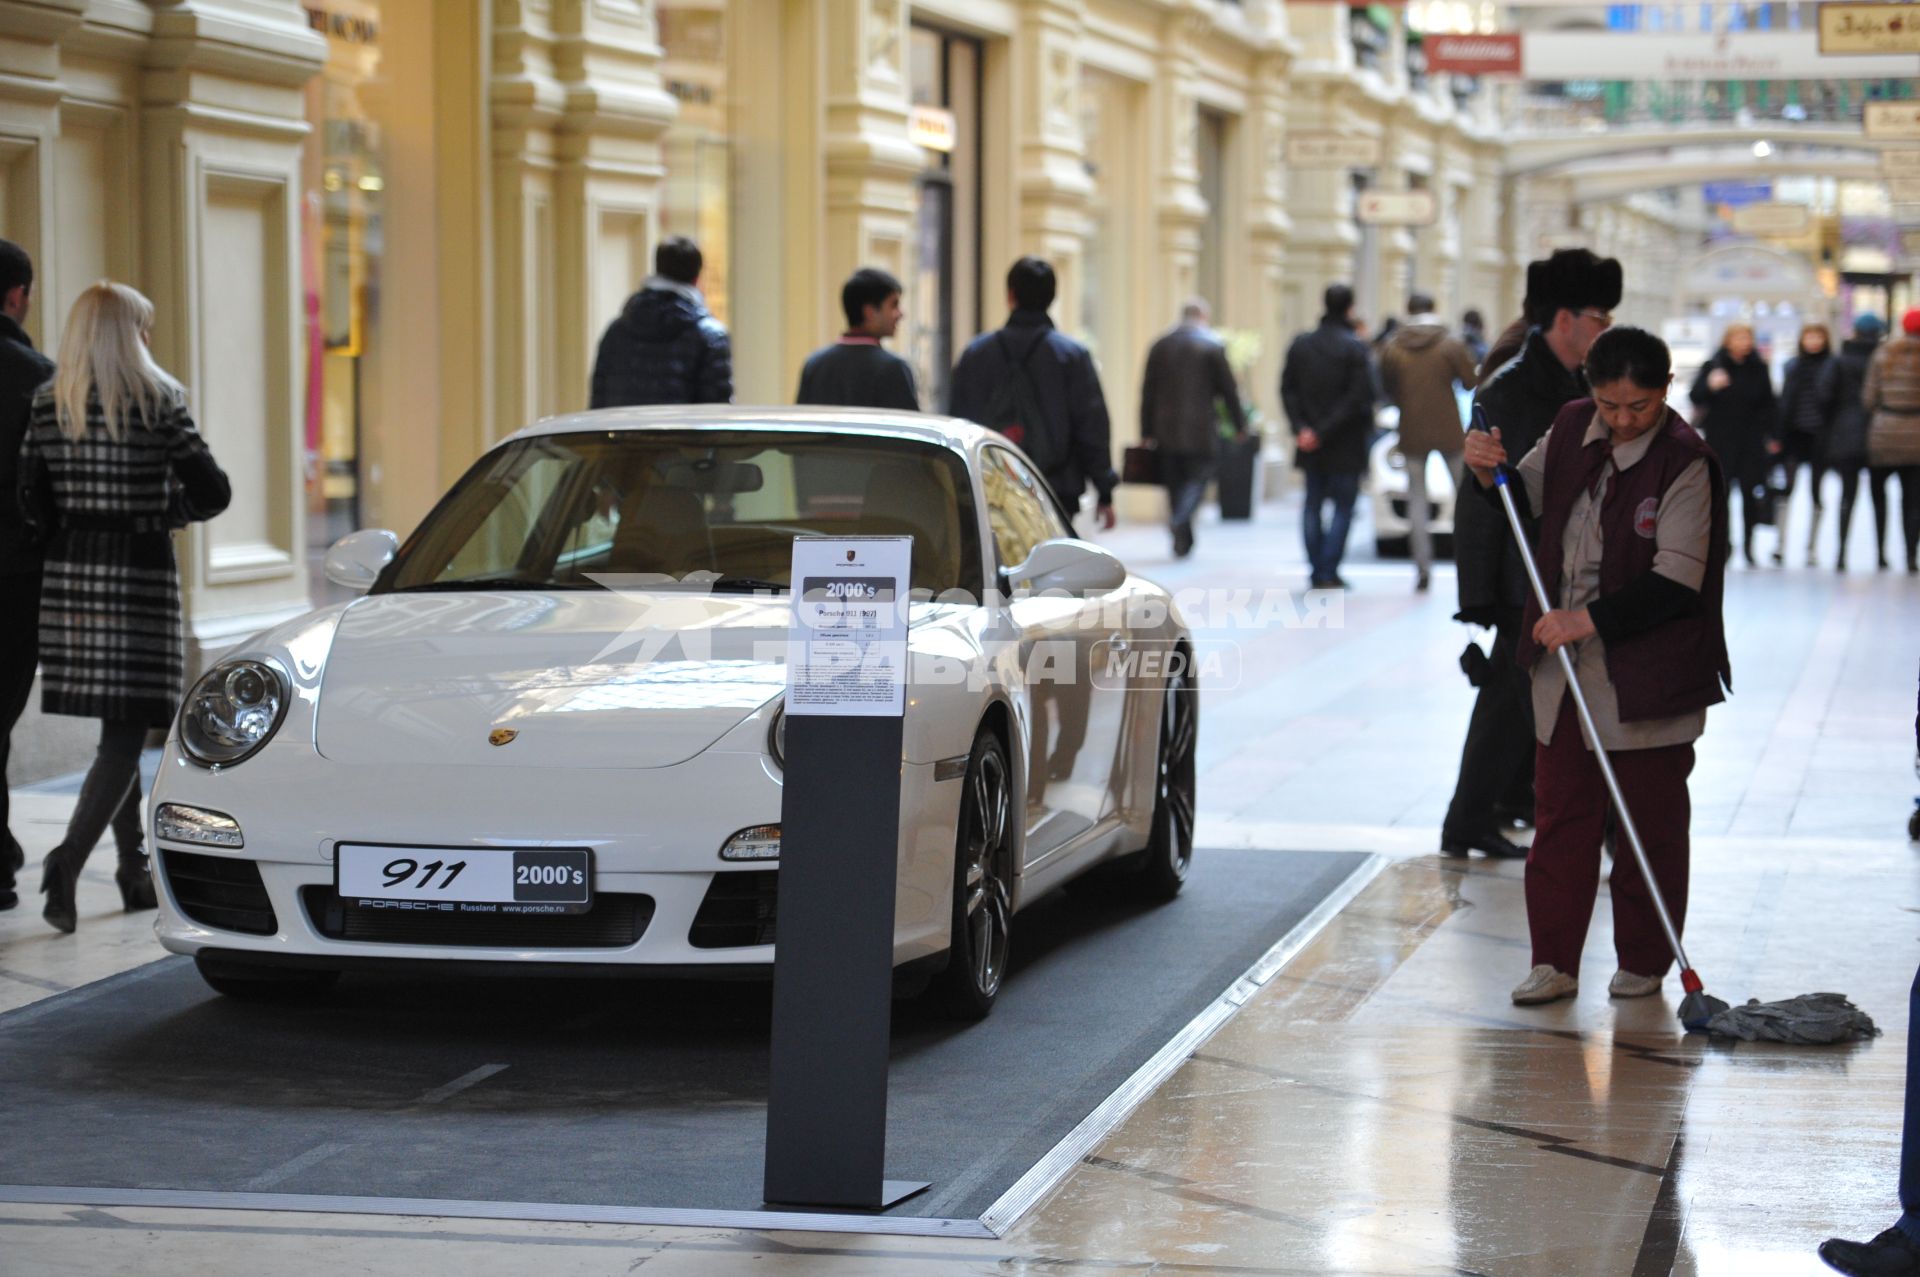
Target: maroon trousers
{"x":1570,"y":818}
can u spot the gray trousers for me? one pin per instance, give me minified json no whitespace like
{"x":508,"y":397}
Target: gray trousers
{"x":1419,"y":527}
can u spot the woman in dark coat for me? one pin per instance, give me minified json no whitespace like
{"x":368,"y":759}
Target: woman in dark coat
{"x":110,"y":465}
{"x":1734,"y":390}
{"x":1845,"y":451}
{"x":1805,"y":414}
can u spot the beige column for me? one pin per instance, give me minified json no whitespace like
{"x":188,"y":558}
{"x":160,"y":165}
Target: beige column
{"x":871,"y":163}
{"x":1269,"y":225}
{"x":1180,"y":210}
{"x":1053,"y":183}
{"x":222,"y":124}
{"x":30,"y":64}
{"x":526,"y":101}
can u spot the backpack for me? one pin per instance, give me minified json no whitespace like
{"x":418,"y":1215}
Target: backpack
{"x":1014,"y":408}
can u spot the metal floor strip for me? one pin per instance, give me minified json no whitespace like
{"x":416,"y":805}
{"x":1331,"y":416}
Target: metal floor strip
{"x":1032,"y":1188}
{"x":1026,"y":1193}
{"x":545,"y":1212}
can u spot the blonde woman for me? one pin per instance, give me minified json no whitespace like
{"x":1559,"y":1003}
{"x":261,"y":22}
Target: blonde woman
{"x":110,"y":465}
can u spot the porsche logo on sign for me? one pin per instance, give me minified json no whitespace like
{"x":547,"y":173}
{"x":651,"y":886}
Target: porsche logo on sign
{"x":501,"y":736}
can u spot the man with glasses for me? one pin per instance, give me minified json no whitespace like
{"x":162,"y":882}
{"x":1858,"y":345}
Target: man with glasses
{"x":1570,"y":300}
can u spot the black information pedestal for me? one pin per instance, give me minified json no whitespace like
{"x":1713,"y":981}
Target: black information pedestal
{"x":833,"y":966}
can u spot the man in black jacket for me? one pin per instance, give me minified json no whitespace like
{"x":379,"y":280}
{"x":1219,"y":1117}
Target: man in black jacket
{"x":856,"y":371}
{"x":1187,"y":375}
{"x":665,"y":348}
{"x":1038,"y":386}
{"x":1572,"y":295}
{"x":1326,"y":387}
{"x":22,"y":371}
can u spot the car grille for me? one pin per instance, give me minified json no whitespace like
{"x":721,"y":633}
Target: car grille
{"x":738,"y":910}
{"x":1400,"y":506}
{"x":219,"y":892}
{"x":615,"y":921}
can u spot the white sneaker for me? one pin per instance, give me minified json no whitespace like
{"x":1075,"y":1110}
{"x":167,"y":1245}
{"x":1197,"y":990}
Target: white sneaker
{"x":1544,"y":984}
{"x":1625,"y":984}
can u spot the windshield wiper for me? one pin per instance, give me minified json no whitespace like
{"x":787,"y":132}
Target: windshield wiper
{"x":480,"y":583}
{"x":748,"y":584}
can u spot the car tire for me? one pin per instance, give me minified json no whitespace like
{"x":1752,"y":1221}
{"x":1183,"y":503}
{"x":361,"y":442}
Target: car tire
{"x":257,"y":982}
{"x":1169,"y":854}
{"x":983,"y":857}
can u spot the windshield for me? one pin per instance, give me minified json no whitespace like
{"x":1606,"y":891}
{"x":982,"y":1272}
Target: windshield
{"x":713,"y":508}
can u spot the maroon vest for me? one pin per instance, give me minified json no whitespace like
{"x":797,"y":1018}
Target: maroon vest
{"x":1680,"y":665}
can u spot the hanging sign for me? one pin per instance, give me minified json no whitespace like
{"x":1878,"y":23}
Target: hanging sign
{"x":1869,"y":28}
{"x":847,"y":648}
{"x":1332,"y":150}
{"x":1705,"y":55}
{"x":1396,"y":208}
{"x":1772,"y":219}
{"x":1497,"y":54}
{"x":932,"y":127}
{"x":1900,"y":163}
{"x":1899,"y":121}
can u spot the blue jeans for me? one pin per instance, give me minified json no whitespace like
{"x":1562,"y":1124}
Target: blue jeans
{"x":1327,"y":544}
{"x":1910,"y":1128}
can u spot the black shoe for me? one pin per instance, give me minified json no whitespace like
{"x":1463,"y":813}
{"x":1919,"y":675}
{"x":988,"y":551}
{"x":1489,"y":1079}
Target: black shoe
{"x":57,"y":884}
{"x":1890,"y":1254}
{"x":134,"y":877}
{"x":1422,"y":582}
{"x":15,"y":862}
{"x":1494,"y":845}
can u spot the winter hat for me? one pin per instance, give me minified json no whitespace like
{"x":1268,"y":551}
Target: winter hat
{"x":1867,"y":326}
{"x":1910,"y":322}
{"x":1572,"y":279}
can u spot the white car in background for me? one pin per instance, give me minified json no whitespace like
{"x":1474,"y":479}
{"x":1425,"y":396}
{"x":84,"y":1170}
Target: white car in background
{"x":470,"y":767}
{"x":1387,"y":489}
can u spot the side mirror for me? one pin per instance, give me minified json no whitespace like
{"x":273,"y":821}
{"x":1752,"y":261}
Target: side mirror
{"x":357,"y":559}
{"x":1070,"y":566}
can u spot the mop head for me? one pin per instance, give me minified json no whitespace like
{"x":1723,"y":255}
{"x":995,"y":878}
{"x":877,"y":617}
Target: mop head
{"x":1810,"y":1019}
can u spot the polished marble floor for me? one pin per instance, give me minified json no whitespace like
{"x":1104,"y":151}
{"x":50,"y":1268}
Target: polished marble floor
{"x":1378,"y":1107}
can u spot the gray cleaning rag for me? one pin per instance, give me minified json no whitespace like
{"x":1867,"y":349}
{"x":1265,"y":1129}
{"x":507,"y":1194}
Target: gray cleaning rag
{"x":1818,"y":1018}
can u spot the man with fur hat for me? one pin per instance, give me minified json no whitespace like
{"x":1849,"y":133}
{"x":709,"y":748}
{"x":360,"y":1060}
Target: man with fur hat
{"x":1570,"y":301}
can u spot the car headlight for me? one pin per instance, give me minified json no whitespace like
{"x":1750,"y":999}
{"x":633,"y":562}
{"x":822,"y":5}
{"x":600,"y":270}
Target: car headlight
{"x":777,"y":738}
{"x":232,"y":711}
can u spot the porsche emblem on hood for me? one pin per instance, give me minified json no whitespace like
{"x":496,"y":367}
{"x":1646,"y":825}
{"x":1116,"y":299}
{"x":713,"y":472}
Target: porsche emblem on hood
{"x":501,"y":736}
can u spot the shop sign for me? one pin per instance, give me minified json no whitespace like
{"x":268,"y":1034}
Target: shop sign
{"x":1904,"y":190}
{"x":1724,"y":55}
{"x":1869,"y":28}
{"x":1900,"y":163}
{"x":1772,"y":219}
{"x":348,"y":28}
{"x":1896,"y":120}
{"x":1738,"y":194}
{"x":932,"y":127}
{"x":1473,"y":54}
{"x":1396,"y":208}
{"x":1332,"y":150}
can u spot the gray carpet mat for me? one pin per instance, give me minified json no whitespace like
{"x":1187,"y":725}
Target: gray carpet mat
{"x":609,"y":1092}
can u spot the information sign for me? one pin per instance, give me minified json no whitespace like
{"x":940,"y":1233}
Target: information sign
{"x":847,"y":648}
{"x":1396,"y":208}
{"x":1332,"y":150}
{"x":1849,"y":28}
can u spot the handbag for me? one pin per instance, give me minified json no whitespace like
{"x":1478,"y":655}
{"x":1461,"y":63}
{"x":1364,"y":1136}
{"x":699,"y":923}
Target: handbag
{"x":1140,"y":463}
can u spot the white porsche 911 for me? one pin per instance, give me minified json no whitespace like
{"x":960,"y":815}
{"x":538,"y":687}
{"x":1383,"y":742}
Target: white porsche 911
{"x":549,"y":736}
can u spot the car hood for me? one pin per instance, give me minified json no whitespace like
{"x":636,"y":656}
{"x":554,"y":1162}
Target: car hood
{"x":583,"y":679}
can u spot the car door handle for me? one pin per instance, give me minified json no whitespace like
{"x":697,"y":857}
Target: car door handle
{"x":1119,"y":642}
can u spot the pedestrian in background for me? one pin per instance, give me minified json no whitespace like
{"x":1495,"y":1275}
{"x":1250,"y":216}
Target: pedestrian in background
{"x":1420,"y":369}
{"x":857,"y":371}
{"x":111,"y":465}
{"x":1327,"y":389}
{"x":1844,"y":382}
{"x":1631,"y":543}
{"x":665,"y":347}
{"x":1038,"y":386}
{"x":1188,"y":382}
{"x":1805,"y":415}
{"x":1473,"y":331}
{"x":1892,"y":395}
{"x":1734,"y":393}
{"x":23,"y":370}
{"x":1570,"y":300}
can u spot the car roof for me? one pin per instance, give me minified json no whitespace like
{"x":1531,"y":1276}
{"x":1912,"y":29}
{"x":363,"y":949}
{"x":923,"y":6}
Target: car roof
{"x":949,"y":432}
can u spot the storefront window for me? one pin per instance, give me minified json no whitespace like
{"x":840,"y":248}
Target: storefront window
{"x":944,"y":294}
{"x":343,"y":181}
{"x":695,"y":197}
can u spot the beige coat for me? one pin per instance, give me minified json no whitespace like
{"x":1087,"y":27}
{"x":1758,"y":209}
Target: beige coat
{"x":1892,"y":395}
{"x":1417,"y":370}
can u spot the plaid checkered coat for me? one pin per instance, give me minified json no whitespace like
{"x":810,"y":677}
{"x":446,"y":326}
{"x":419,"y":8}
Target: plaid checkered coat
{"x":111,"y":642}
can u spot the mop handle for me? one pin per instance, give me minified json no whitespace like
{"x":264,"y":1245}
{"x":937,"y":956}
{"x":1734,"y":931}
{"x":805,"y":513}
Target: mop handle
{"x":1501,"y":479}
